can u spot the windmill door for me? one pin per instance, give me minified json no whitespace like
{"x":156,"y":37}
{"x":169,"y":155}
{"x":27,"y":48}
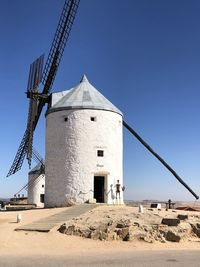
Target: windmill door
{"x":99,"y":182}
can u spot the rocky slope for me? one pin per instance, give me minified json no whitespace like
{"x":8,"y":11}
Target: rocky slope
{"x":128,"y":224}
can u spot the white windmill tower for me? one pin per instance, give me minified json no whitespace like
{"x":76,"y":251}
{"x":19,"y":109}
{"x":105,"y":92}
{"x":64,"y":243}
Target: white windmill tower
{"x":83,"y":147}
{"x":36,"y":185}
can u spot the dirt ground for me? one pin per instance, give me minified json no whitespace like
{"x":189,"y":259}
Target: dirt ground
{"x":54,"y":243}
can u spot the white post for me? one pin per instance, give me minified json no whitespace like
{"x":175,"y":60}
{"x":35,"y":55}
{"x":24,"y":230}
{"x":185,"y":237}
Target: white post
{"x":19,"y":217}
{"x":141,"y":209}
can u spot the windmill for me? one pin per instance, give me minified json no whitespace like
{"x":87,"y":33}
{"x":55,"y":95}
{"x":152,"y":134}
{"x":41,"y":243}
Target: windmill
{"x":46,"y":76}
{"x":38,"y":100}
{"x":40,"y":162}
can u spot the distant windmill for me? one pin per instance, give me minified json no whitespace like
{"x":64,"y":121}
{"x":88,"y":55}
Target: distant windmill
{"x":67,"y":149}
{"x":40,"y":170}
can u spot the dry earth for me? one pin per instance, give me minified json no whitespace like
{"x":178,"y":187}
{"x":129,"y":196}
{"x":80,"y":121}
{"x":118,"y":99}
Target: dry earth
{"x":54,"y":243}
{"x":127,"y":224}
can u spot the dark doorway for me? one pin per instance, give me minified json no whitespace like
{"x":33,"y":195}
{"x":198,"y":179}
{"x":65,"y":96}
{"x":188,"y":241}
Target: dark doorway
{"x":42,"y":198}
{"x":99,"y":188}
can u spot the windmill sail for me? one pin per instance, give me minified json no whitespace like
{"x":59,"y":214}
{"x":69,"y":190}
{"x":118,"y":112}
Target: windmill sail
{"x":19,"y":158}
{"x":57,"y":48}
{"x":25,"y":148}
{"x":159,"y":158}
{"x":35,"y":76}
{"x":38,"y":100}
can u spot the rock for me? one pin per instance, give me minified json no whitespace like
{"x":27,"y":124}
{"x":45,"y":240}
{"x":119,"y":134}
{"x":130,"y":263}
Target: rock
{"x":102,"y":235}
{"x":84,"y":233}
{"x":182,"y":216}
{"x":170,"y":221}
{"x":154,"y":227}
{"x":123,"y":224}
{"x":110,"y":222}
{"x":172,"y":237}
{"x":156,"y":215}
{"x":122,"y":233}
{"x":125,"y":232}
{"x":148,"y":239}
{"x":70,"y":230}
{"x":111,"y":236}
{"x":118,"y":231}
{"x":196,"y":229}
{"x":95,"y":235}
{"x":129,"y":237}
{"x":73,"y":230}
{"x":185,"y":227}
{"x":93,"y":228}
{"x":103,"y":227}
{"x":62,"y":228}
{"x":120,"y":225}
{"x":159,"y":237}
{"x":146,"y":228}
{"x":80,"y":233}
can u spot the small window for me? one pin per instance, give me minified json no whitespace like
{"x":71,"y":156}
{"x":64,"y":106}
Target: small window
{"x":100,"y":153}
{"x":93,"y":118}
{"x":66,"y":119}
{"x":42,"y":185}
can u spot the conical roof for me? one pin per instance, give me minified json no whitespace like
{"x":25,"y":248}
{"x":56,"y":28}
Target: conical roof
{"x":38,"y":168}
{"x":83,"y":96}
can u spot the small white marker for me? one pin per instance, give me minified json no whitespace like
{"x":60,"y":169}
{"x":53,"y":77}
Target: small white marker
{"x":141,"y":209}
{"x":19,"y":217}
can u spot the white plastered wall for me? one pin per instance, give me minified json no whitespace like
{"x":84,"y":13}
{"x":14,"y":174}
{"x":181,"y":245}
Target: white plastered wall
{"x":71,"y":155}
{"x":36,"y":187}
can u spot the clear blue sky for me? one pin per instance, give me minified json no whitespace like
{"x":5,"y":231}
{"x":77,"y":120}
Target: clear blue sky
{"x":144,"y":56}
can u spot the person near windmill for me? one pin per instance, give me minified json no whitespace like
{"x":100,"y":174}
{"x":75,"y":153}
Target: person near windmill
{"x":118,"y":190}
